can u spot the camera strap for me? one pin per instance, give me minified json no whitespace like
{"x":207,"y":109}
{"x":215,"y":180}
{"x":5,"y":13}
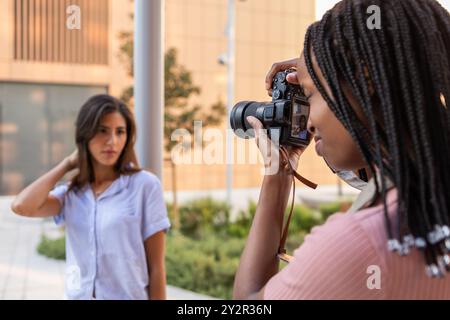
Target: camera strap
{"x":295,"y":175}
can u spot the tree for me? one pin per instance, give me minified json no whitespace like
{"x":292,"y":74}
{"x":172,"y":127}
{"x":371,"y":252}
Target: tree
{"x":178,"y":113}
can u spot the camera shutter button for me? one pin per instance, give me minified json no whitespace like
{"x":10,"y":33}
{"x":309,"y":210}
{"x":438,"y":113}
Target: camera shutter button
{"x":281,"y":77}
{"x":276,"y":94}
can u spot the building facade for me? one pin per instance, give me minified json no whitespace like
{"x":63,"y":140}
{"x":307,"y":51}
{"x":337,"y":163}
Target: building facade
{"x":47,"y":71}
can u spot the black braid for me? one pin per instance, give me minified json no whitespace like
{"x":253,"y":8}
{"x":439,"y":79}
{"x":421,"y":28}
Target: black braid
{"x":398,"y":154}
{"x":423,"y":131}
{"x":400,"y":77}
{"x":400,"y":37}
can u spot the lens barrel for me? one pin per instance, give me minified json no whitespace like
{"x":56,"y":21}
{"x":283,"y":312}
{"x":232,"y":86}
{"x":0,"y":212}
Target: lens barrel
{"x":239,"y":114}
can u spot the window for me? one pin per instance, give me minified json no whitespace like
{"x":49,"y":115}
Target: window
{"x":37,"y":127}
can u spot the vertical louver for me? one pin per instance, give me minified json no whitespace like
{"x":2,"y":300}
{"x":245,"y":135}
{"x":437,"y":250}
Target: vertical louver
{"x":41,"y":33}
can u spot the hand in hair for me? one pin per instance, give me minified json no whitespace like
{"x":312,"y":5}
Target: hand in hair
{"x":72,"y":161}
{"x":280,"y":66}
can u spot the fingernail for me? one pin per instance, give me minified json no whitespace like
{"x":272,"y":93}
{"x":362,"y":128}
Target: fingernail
{"x":250,"y":120}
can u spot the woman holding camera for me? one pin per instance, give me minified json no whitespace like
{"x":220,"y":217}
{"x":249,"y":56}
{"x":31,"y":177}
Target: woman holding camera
{"x":378,"y":99}
{"x":114,"y":213}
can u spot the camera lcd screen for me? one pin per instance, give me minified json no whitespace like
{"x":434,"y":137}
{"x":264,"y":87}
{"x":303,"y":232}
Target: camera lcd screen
{"x":300,"y":114}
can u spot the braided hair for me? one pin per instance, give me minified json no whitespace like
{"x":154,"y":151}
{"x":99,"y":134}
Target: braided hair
{"x":400,"y":77}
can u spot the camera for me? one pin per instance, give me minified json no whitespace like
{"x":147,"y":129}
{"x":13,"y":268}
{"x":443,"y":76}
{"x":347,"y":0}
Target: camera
{"x":285,"y":118}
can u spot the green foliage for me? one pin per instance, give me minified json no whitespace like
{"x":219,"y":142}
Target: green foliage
{"x":126,"y":51}
{"x":207,"y":266}
{"x":241,"y":225}
{"x":206,"y":215}
{"x":303,"y":219}
{"x":329,"y":209}
{"x":201,"y":216}
{"x":55,"y":249}
{"x":294,"y":240}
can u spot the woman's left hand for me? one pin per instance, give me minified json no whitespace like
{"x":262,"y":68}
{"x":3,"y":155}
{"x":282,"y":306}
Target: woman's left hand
{"x":271,"y":153}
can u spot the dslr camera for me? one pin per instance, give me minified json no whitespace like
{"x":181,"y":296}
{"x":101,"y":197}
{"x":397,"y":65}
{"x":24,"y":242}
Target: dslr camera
{"x":285,"y":118}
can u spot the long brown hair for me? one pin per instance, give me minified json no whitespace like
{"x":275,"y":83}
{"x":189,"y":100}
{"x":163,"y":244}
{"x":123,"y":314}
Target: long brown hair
{"x":87,"y":124}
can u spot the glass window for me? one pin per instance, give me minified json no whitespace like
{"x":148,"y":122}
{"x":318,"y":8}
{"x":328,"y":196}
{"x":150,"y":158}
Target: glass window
{"x":37,"y":127}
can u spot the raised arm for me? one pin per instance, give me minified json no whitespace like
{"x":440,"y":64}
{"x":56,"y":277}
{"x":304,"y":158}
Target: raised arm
{"x":34,"y":200}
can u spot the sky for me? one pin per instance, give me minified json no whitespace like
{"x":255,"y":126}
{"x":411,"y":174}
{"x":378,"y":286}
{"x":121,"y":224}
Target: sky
{"x":323,"y":5}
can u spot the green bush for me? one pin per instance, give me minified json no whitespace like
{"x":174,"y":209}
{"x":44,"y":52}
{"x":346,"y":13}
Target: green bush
{"x":200,"y":216}
{"x":329,"y":209}
{"x":294,"y":241}
{"x":55,"y":249}
{"x":207,"y":266}
{"x":303,"y":219}
{"x":241,"y":225}
{"x":206,"y":215}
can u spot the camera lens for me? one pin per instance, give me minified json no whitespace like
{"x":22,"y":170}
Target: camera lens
{"x":239,"y":114}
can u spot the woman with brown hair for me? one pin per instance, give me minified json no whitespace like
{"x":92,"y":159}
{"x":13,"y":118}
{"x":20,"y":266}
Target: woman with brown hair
{"x":114,"y":212}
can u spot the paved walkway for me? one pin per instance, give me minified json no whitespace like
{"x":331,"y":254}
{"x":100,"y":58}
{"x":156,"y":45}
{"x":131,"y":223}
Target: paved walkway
{"x":24,"y":274}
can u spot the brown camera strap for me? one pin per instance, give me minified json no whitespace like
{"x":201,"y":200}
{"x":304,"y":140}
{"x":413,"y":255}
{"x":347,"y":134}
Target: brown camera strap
{"x":295,"y":175}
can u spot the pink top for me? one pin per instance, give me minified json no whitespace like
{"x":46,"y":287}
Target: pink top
{"x":347,"y":258}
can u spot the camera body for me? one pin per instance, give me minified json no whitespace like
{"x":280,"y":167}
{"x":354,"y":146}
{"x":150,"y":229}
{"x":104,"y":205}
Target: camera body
{"x":285,"y":117}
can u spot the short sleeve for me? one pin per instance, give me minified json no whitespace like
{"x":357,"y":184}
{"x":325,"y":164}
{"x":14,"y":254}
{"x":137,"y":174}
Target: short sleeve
{"x":60,"y":193}
{"x":155,"y":217}
{"x":336,"y":261}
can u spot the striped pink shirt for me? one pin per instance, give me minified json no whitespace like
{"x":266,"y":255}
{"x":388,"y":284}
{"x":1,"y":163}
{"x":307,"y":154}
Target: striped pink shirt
{"x":347,"y":258}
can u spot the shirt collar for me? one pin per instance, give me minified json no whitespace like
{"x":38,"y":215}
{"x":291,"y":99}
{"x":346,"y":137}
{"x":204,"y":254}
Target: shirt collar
{"x":118,"y":185}
{"x":368,"y":193}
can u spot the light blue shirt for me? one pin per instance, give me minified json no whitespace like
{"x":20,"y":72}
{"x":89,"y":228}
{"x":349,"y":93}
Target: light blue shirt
{"x":105,"y":236}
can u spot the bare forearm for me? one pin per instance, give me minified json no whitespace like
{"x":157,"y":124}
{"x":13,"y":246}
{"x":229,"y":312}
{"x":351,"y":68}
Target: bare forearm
{"x":157,"y":289}
{"x":34,"y":196}
{"x":258,"y":262}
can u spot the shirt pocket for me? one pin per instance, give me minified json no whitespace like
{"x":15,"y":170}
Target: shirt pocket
{"x":127,"y":210}
{"x":119,"y":210}
{"x":120,"y":226}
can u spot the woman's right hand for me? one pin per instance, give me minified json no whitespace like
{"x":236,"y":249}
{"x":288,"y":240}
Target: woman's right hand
{"x":72,"y":161}
{"x":280,"y":66}
{"x":35,"y":200}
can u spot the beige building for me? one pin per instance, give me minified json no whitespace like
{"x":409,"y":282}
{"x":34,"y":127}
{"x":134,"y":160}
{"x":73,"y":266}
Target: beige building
{"x":48,"y":70}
